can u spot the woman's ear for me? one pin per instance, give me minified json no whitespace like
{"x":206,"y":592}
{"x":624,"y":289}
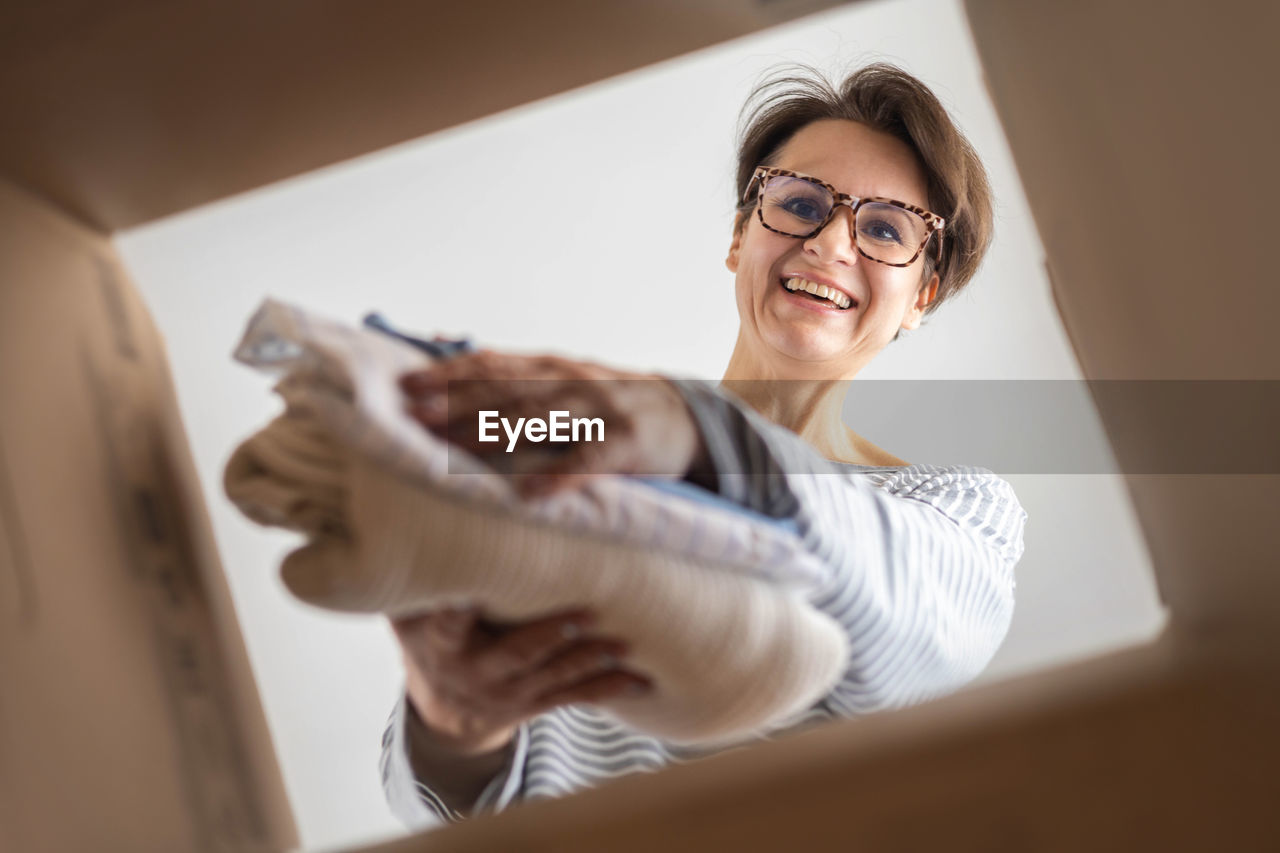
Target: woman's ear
{"x":925,"y":296}
{"x":735,"y":247}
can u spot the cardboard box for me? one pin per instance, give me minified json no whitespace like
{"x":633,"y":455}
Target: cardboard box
{"x":130,"y":716}
{"x":1129,"y":122}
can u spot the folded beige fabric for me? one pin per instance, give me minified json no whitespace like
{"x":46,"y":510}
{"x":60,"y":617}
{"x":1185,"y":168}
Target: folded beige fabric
{"x":710,"y":601}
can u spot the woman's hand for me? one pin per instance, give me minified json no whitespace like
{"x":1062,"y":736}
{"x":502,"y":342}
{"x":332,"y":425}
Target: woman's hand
{"x":648,"y":429}
{"x":473,"y":683}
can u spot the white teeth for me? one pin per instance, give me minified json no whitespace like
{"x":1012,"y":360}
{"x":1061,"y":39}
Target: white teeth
{"x":819,"y":290}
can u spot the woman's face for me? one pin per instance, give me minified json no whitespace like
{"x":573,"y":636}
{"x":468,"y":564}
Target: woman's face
{"x":786,"y":334}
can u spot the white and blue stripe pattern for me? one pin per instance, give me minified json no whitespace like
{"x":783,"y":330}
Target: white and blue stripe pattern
{"x":919,"y":563}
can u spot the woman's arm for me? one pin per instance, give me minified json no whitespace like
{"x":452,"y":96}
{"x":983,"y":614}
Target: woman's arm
{"x":454,"y":744}
{"x":921,"y":563}
{"x":920,"y":567}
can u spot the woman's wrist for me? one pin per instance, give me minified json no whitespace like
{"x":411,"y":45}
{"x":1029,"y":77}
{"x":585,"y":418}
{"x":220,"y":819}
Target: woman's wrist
{"x":430,"y":740}
{"x":702,"y":471}
{"x":458,"y":776}
{"x":439,"y":732}
{"x":702,"y":467}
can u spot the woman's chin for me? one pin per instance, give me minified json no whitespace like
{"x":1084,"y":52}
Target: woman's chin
{"x":809,"y":350}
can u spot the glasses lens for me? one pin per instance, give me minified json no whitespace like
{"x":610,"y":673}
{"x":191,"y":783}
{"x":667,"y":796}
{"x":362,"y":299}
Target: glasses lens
{"x":885,"y":232}
{"x":889,"y":233}
{"x":794,"y":206}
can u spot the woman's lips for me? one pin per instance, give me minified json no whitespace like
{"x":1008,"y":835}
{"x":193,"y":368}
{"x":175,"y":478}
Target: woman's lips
{"x":819,"y":285}
{"x":804,"y":299}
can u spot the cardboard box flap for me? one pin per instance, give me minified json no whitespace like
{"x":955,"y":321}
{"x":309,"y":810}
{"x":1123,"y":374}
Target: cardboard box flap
{"x":1143,"y":138}
{"x":129,"y":111}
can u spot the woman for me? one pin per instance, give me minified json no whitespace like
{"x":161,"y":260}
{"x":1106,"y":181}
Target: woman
{"x":862,"y":209}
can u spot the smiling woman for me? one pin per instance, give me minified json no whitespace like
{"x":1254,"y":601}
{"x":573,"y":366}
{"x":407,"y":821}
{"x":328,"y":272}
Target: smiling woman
{"x":862,"y":209}
{"x":788,"y":335}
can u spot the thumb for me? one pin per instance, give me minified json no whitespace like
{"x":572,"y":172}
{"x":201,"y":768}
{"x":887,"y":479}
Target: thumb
{"x":450,"y":630}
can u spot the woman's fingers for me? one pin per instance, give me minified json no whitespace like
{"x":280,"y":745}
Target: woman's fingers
{"x":650,"y":433}
{"x":446,"y":630}
{"x":526,"y":647}
{"x":494,"y":366}
{"x":473,"y":681}
{"x":451,"y":630}
{"x":486,"y":379}
{"x":595,"y":689}
{"x":572,"y":468}
{"x":462,"y":426}
{"x":570,"y":667}
{"x":647,"y":428}
{"x":453,"y":411}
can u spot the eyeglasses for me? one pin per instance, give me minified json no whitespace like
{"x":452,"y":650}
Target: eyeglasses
{"x":884,"y":230}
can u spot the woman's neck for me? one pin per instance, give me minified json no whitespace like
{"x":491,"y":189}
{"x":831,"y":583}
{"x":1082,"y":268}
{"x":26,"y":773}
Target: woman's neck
{"x":803,"y":406}
{"x":805,"y":402}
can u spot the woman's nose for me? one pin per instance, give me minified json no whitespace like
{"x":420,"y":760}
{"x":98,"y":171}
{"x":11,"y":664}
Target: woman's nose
{"x":834,"y":242}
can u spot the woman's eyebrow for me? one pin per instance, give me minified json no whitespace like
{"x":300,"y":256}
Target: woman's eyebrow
{"x":896,"y":196}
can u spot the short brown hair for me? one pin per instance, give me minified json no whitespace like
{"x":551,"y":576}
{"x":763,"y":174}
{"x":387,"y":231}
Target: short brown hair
{"x":888,"y":99}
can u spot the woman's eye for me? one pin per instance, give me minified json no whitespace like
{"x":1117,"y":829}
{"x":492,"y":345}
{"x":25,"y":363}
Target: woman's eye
{"x":881,"y":232}
{"x":803,"y":208}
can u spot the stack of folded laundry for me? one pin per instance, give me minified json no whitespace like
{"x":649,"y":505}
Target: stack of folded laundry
{"x":710,"y":598}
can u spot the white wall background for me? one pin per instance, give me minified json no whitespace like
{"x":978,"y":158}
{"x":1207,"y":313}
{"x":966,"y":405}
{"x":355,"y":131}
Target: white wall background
{"x":560,"y":247}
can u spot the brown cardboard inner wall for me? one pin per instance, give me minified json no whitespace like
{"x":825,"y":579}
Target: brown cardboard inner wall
{"x":1106,"y":755}
{"x":1148,"y":159}
{"x":130,"y":716}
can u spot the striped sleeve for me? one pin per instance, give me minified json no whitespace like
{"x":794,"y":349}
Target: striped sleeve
{"x":920,"y":558}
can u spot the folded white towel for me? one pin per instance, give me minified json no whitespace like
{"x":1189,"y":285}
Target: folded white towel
{"x":709,"y":598}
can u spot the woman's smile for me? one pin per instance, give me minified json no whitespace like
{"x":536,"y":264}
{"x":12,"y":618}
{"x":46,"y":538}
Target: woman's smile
{"x":817,"y":294}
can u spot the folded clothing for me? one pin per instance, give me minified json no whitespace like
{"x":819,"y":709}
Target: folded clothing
{"x":710,"y":597}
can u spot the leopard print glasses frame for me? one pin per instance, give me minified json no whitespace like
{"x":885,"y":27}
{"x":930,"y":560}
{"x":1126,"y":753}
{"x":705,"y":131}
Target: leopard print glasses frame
{"x":933,"y":222}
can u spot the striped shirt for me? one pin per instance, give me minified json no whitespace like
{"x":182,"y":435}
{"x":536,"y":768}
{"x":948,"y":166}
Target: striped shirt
{"x":919,"y":563}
